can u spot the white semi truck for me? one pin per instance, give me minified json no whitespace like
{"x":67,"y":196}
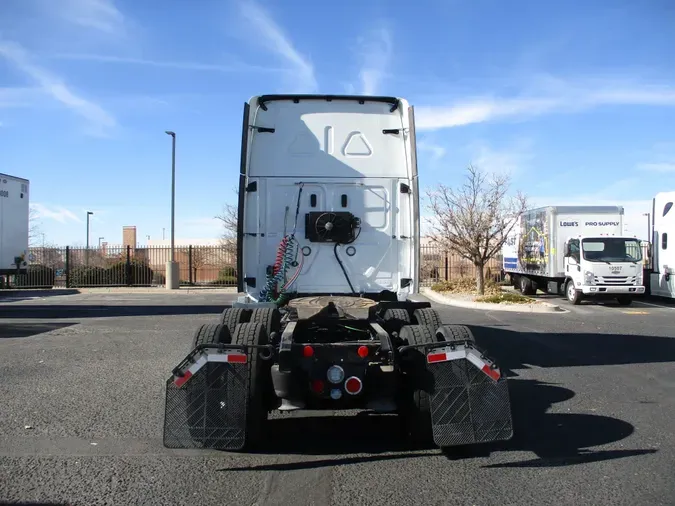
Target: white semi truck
{"x":328,"y":255}
{"x":14,"y":224}
{"x":579,"y":251}
{"x":662,"y":271}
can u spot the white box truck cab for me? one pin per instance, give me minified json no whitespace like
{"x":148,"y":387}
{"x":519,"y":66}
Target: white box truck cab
{"x":662,"y":274}
{"x":328,"y":256}
{"x":14,"y":224}
{"x":578,"y":251}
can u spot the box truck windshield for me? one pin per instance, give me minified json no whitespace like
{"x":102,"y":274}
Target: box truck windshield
{"x":612,"y":249}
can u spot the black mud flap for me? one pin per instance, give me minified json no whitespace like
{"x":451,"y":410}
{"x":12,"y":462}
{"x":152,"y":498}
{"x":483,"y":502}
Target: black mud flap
{"x":206,"y":399}
{"x":469,"y":401}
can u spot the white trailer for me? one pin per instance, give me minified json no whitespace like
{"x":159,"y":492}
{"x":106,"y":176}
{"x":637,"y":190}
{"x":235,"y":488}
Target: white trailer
{"x":14,"y":218}
{"x":578,"y":249}
{"x":662,"y":272}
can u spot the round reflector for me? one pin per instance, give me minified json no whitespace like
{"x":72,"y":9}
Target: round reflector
{"x":308,"y":351}
{"x":335,"y":374}
{"x":353,"y":385}
{"x":363,"y":351}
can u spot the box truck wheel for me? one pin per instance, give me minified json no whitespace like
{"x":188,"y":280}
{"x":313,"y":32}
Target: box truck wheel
{"x":573,"y":295}
{"x":527,"y":287}
{"x":624,"y":300}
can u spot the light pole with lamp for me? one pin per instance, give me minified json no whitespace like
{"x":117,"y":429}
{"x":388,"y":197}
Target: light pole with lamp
{"x":89,"y":213}
{"x":172,"y":268}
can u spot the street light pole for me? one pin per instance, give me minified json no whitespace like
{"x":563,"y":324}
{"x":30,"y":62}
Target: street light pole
{"x":89,"y":213}
{"x":172,"y":269}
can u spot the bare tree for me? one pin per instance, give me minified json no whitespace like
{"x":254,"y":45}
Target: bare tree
{"x":34,"y":228}
{"x":229,"y":219}
{"x":475,"y":219}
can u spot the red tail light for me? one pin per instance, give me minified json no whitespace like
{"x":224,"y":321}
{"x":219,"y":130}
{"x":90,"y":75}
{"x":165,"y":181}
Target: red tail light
{"x":363,"y":351}
{"x":317,"y":386}
{"x":353,"y":385}
{"x":307,"y":351}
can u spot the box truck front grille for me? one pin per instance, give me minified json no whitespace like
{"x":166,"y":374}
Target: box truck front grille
{"x":614,"y":280}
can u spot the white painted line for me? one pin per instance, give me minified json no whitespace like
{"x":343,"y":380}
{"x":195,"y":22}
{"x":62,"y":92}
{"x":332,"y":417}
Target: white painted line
{"x":652,"y":305}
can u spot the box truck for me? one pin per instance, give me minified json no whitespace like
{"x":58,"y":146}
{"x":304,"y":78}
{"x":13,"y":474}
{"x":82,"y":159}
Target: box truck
{"x":14,"y":225}
{"x":578,"y":251}
{"x":662,"y":265}
{"x":328,"y":255}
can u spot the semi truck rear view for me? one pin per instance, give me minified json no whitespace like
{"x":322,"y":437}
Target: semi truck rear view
{"x":576,"y":250}
{"x":662,"y":272}
{"x":328,"y":256}
{"x":14,"y":224}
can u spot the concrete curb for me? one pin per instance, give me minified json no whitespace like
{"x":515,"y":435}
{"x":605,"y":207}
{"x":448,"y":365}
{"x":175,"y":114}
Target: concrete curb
{"x":544,"y":307}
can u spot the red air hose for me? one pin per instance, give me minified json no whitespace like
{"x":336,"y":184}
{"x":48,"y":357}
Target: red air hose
{"x":281,"y":252}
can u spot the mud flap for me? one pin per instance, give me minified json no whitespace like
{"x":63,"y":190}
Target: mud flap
{"x":206,"y":399}
{"x":469,"y":401}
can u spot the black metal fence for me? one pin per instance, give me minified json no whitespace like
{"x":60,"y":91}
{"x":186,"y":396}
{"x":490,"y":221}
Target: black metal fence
{"x":73,"y":267}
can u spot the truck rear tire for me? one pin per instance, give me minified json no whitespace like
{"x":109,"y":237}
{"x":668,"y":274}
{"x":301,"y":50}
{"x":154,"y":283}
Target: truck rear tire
{"x":270,"y":318}
{"x":415,"y":410}
{"x":231,"y":317}
{"x":212,"y":333}
{"x":209,"y":333}
{"x":427,"y":316}
{"x":456,"y":333}
{"x":395,"y":319}
{"x":259,"y":380}
{"x":574,"y":296}
{"x":624,"y":300}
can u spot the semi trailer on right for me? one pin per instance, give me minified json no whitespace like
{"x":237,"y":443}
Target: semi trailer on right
{"x":578,"y":251}
{"x":661,"y":271}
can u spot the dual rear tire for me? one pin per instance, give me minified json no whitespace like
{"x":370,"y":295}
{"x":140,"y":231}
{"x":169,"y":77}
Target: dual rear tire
{"x":418,"y":382}
{"x":251,"y":329}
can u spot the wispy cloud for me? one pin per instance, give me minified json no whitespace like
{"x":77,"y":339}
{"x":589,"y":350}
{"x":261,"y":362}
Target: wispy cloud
{"x":374,"y":52}
{"x":268,"y":33}
{"x":98,"y":119}
{"x":662,"y":167}
{"x":661,"y":159}
{"x":184,"y":65}
{"x":55,"y":213}
{"x":510,"y":159}
{"x":437,"y":151}
{"x":545,"y":96}
{"x":18,"y":97}
{"x":101,"y":15}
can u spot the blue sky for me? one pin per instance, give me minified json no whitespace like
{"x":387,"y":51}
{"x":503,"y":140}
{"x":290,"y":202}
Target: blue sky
{"x":575,"y":101}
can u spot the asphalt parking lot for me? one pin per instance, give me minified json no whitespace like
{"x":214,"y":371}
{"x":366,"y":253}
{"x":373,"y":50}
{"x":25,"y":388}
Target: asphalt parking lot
{"x":82,"y":396}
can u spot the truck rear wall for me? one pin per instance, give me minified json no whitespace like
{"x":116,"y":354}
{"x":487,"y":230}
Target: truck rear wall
{"x":14,"y":213}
